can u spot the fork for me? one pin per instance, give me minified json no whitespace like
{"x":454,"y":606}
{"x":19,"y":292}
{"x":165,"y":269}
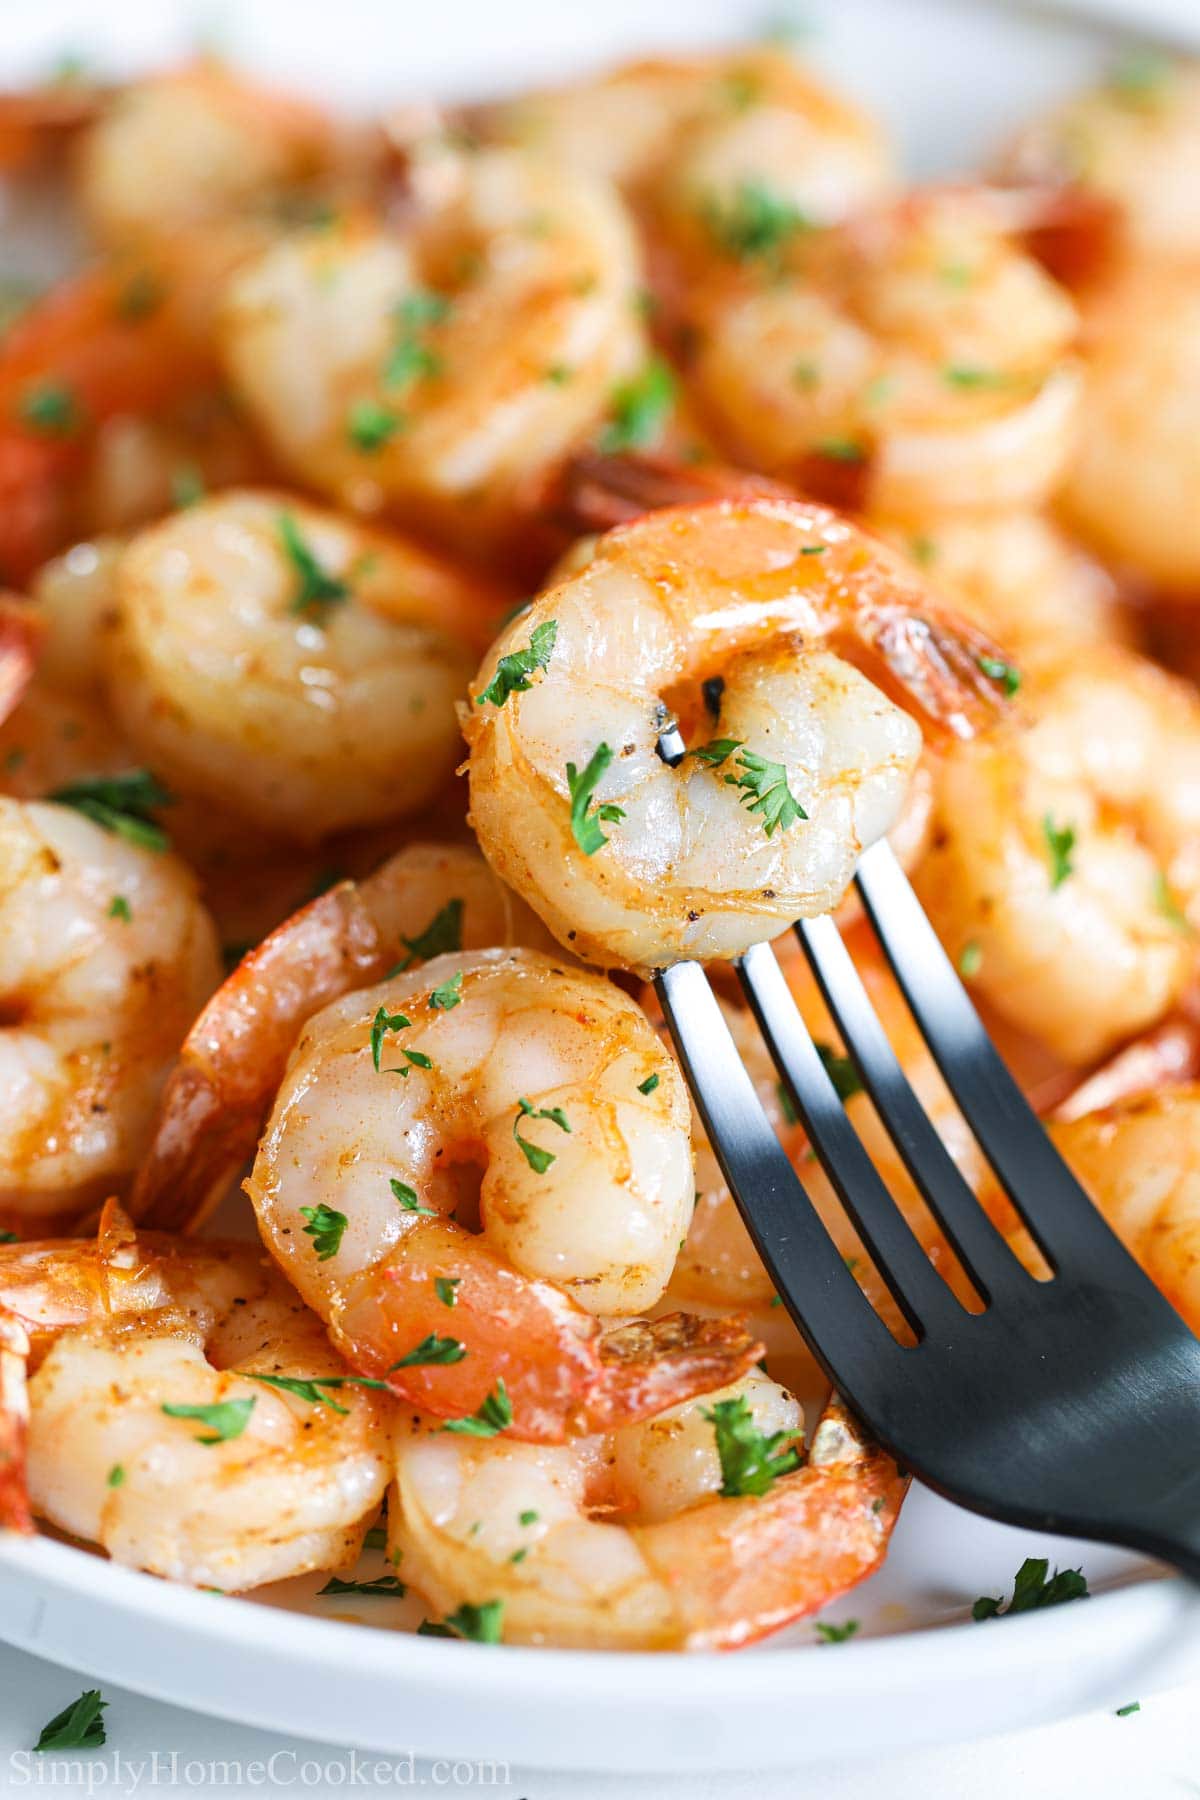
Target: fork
{"x":1070,"y":1404}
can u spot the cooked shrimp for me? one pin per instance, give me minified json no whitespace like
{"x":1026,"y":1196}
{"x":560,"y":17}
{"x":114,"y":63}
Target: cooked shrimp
{"x":679,"y":1566}
{"x":290,"y":665}
{"x":1131,"y":487}
{"x":915,"y":360}
{"x":1133,"y":146}
{"x":555,"y":1083}
{"x":164,"y":1422}
{"x":1138,"y":1161}
{"x":105,"y":956}
{"x":439,"y":374}
{"x":808,"y":764}
{"x":1020,"y":578}
{"x":192,"y":146}
{"x":1063,"y":872}
{"x":692,"y":134}
{"x":427,"y":900}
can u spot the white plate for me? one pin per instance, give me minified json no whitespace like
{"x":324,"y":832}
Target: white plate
{"x":950,"y":80}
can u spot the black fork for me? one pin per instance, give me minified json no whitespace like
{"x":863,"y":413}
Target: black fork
{"x":1071,"y":1404}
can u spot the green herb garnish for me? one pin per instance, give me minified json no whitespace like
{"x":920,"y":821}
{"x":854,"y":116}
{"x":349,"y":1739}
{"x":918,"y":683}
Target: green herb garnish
{"x":441,"y":937}
{"x":325,"y":1227}
{"x":513,"y":671}
{"x":316,"y":588}
{"x":585,"y":825}
{"x":750,"y":1460}
{"x":1060,"y":841}
{"x":382,"y":1587}
{"x":432,"y":1350}
{"x":996,"y":669}
{"x":444,"y":1286}
{"x":495,"y":1415}
{"x":76,"y":1727}
{"x":756,"y":223}
{"x":51,"y":410}
{"x":539,"y":1160}
{"x":764,"y":784}
{"x":648,"y":1086}
{"x":1032,"y":1590}
{"x":640,"y":408}
{"x":448,"y":995}
{"x":226,"y":1419}
{"x":121,"y":804}
{"x":119,"y":908}
{"x":835,"y":1634}
{"x":841,"y":1071}
{"x":369,"y":425}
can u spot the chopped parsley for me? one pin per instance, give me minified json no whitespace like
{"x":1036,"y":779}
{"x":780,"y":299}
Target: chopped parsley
{"x":763,"y":784}
{"x":529,"y":1517}
{"x":116,"y":1476}
{"x":225,"y":1419}
{"x":495,"y":1415}
{"x":76,"y":1727}
{"x":750,"y":1460}
{"x":835,"y":1634}
{"x":996,"y":669}
{"x":1032,"y":1590}
{"x":51,"y":410}
{"x":9,"y":1237}
{"x":841,"y":1071}
{"x":441,"y":937}
{"x":369,"y":425}
{"x":479,"y":1624}
{"x":1133,"y":1706}
{"x":444,"y":1286}
{"x":121,"y":804}
{"x":640,"y":408}
{"x":187,"y":486}
{"x":1060,"y":841}
{"x":923,"y":550}
{"x":381,"y":1024}
{"x":382,"y":1587}
{"x":585,"y":825}
{"x":971,"y":376}
{"x":513,"y":671}
{"x":539,"y":1160}
{"x":326,"y":1228}
{"x":408,"y":1198}
{"x":310,"y":1389}
{"x":787,"y":1105}
{"x":447,"y":995}
{"x":806,"y":375}
{"x":756,"y":223}
{"x":648,"y":1086}
{"x":410,"y":358}
{"x":1167,"y":904}
{"x":119,"y":908}
{"x":432,"y":1350}
{"x":842,"y":450}
{"x":316,"y":589}
{"x":970,"y":959}
{"x":558,"y":374}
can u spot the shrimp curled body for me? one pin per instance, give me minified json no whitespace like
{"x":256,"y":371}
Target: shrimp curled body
{"x":556,"y":1084}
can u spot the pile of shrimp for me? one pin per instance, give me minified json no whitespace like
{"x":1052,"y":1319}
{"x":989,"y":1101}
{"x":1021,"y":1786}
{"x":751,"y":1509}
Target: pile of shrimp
{"x":373,"y":498}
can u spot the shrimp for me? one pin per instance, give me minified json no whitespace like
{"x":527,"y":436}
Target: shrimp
{"x":1063,"y":868}
{"x":167,"y":1420}
{"x":808,"y":762}
{"x":554,"y":1084}
{"x":193,"y":145}
{"x":914,"y":361}
{"x":105,"y":956}
{"x":437,"y":375}
{"x":625,"y":1541}
{"x":685,"y":134}
{"x":426,"y":900}
{"x":1130,"y":147}
{"x":1020,"y":578}
{"x":291,"y":665}
{"x":1130,"y":490}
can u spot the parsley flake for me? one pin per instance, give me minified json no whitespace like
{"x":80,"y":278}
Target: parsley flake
{"x":441,"y":937}
{"x":495,"y":1415}
{"x":841,"y":1071}
{"x":787,"y":1105}
{"x":121,"y":804}
{"x":764,"y":784}
{"x":1060,"y":841}
{"x":382,"y":1587}
{"x":119,"y":908}
{"x":970,"y":960}
{"x":326,"y":1228}
{"x":9,"y":1237}
{"x":842,"y":450}
{"x":1032,"y":1590}
{"x":539,"y":1160}
{"x":76,"y":1727}
{"x":835,"y":1634}
{"x":585,"y":825}
{"x":115,"y":1477}
{"x":369,"y":426}
{"x":996,"y":669}
{"x":381,"y":1024}
{"x":316,"y":588}
{"x":226,"y":1419}
{"x":432,"y":1350}
{"x":757,"y":222}
{"x":648,"y":1086}
{"x":448,"y":995}
{"x":639,"y":408}
{"x":51,"y":410}
{"x":1167,"y":904}
{"x":750,"y":1460}
{"x":479,"y":1624}
{"x":1133,"y":1706}
{"x":513,"y":671}
{"x":407,"y":1197}
{"x":444,"y":1286}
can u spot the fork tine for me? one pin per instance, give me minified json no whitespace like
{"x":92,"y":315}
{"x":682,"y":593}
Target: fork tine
{"x":842,"y":1329}
{"x":914,"y":1283}
{"x":1062,"y":1220}
{"x":978,"y":1245}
